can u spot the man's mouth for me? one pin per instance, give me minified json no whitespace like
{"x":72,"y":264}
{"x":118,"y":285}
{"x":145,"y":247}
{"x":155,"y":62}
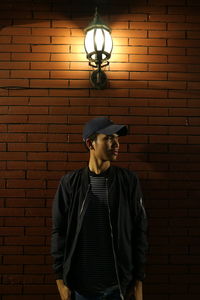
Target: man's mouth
{"x":115,"y":152}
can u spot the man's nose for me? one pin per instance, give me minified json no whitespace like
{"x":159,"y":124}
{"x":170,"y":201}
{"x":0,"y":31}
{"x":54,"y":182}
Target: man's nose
{"x":116,"y":142}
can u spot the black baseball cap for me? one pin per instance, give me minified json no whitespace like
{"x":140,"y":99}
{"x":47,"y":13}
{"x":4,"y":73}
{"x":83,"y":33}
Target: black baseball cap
{"x":103,"y":125}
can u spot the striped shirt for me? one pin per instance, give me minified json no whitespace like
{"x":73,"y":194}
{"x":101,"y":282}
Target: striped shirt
{"x":93,"y":267}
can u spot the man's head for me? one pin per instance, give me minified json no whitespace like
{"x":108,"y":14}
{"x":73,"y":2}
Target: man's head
{"x":100,"y":136}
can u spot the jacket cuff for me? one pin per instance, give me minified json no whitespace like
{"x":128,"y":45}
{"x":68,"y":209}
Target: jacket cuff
{"x":58,"y":275}
{"x":139,"y":273}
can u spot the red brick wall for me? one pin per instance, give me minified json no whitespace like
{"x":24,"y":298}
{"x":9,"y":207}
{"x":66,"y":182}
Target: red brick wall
{"x":46,"y":98}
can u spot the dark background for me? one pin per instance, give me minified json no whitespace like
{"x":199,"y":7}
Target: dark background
{"x":46,"y":97}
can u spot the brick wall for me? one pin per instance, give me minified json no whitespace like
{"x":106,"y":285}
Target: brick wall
{"x":46,"y":98}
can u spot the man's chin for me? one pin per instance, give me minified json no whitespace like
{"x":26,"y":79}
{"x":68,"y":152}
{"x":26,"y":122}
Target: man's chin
{"x":113,"y":158}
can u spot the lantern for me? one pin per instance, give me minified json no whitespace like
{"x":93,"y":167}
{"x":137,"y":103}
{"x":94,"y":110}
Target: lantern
{"x":98,"y":47}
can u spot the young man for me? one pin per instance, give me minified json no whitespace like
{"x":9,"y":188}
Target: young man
{"x":99,"y":223}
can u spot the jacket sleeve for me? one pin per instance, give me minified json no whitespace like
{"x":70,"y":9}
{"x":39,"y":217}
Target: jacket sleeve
{"x":59,"y":227}
{"x":139,"y":241}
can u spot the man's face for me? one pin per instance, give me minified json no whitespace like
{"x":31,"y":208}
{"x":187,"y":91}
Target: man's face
{"x":106,"y":147}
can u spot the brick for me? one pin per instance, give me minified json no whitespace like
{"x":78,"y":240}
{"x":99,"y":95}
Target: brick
{"x":67,"y":40}
{"x":30,"y":57}
{"x":68,"y":23}
{"x":69,"y":74}
{"x":4,"y":74}
{"x":11,"y":249}
{"x":24,"y":240}
{"x":192,"y":51}
{"x":29,"y":74}
{"x":49,"y":101}
{"x":70,"y":93}
{"x":11,"y":138}
{"x":167,"y":50}
{"x":50,"y":32}
{"x":11,"y":231}
{"x":148,"y":25}
{"x":183,"y":26}
{"x":14,"y":65}
{"x":47,"y":156}
{"x":13,"y":119}
{"x":148,"y":93}
{"x":22,"y":23}
{"x":27,"y":128}
{"x":168,"y":67}
{"x":11,"y":183}
{"x":184,"y":43}
{"x":148,"y":58}
{"x":50,"y":48}
{"x":68,"y":110}
{"x":167,"y":84}
{"x":24,"y":221}
{"x":120,"y":41}
{"x":22,"y":279}
{"x":128,"y":84}
{"x":24,"y":202}
{"x":149,"y":111}
{"x":47,"y":137}
{"x":184,"y":76}
{"x":184,"y":111}
{"x":148,"y":75}
{"x":129,"y":33}
{"x":120,"y":25}
{"x":167,"y":120}
{"x":29,"y":92}
{"x":147,"y":42}
{"x":184,"y":59}
{"x":4,"y":56}
{"x":13,"y":156}
{"x":11,"y":212}
{"x":27,"y":147}
{"x":12,"y":174}
{"x":130,"y":50}
{"x":14,"y":82}
{"x":109,"y":110}
{"x":23,"y":259}
{"x":167,"y":34}
{"x":128,"y":67}
{"x":167,"y":18}
{"x":168,"y":139}
{"x":14,"y":48}
{"x":31,"y":40}
{"x":52,"y":83}
{"x":50,"y":65}
{"x":15,"y":31}
{"x":148,"y":9}
{"x":5,"y":39}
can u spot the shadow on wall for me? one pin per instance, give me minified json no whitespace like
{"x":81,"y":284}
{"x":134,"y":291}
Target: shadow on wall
{"x":79,"y":11}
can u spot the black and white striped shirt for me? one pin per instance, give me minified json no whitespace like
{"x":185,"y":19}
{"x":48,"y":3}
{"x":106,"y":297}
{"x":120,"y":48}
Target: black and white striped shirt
{"x":93,"y":267}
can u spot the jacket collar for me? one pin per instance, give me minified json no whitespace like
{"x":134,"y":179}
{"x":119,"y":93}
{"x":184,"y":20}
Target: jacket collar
{"x":86,"y":180}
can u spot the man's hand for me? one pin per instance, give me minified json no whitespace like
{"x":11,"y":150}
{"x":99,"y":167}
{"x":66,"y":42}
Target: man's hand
{"x":65,"y":293}
{"x":135,"y":292}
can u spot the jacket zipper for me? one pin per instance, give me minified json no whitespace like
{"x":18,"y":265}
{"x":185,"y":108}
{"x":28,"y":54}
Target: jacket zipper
{"x":79,"y":226}
{"x":82,"y":206}
{"x":112,"y":239}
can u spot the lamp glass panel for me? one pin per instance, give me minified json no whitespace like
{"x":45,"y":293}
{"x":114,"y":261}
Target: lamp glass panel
{"x":99,"y":39}
{"x":108,"y":41}
{"x":89,"y":41}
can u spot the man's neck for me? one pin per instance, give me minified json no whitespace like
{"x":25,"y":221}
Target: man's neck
{"x":98,"y":166}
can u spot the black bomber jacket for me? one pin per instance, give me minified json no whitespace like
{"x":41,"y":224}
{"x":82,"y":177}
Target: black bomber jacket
{"x":129,"y":230}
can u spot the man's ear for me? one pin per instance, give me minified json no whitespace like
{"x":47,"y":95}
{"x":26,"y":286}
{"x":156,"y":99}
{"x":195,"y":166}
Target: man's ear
{"x":89,"y":144}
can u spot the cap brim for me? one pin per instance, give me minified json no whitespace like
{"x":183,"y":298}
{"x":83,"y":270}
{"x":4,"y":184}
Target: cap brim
{"x":118,"y":129}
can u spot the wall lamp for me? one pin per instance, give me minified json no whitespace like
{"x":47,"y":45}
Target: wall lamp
{"x":98,"y":46}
